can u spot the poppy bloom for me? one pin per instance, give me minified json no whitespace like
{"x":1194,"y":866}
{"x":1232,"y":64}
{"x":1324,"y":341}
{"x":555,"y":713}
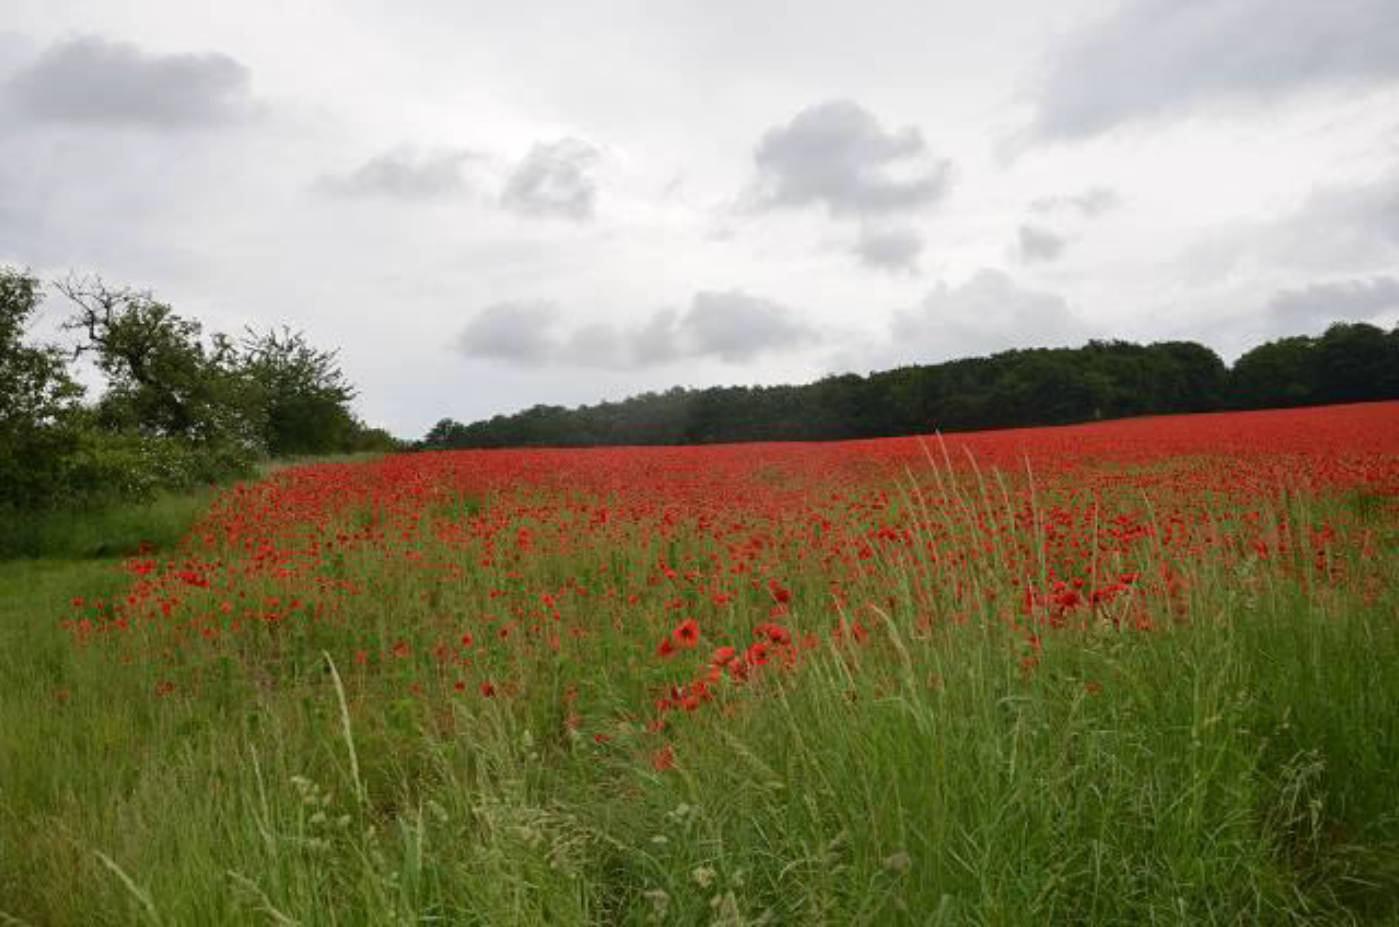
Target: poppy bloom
{"x":687,"y":633}
{"x":723,"y":655}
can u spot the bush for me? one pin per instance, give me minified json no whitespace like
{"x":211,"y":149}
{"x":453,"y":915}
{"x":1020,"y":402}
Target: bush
{"x":107,"y":466}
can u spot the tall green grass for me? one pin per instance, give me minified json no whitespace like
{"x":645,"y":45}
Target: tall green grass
{"x":1237,"y":767}
{"x":115,"y":529}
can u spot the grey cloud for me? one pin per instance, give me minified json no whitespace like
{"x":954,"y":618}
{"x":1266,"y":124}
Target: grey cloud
{"x":656,"y":341}
{"x":554,"y":179}
{"x":94,"y":81}
{"x":518,"y":332}
{"x":1318,"y":304}
{"x":1037,"y":243}
{"x":891,"y":248}
{"x":404,"y":174}
{"x":1153,"y":57}
{"x":837,"y":154}
{"x":737,"y":327}
{"x":732,"y":326}
{"x":989,"y":312}
{"x":1090,"y":204}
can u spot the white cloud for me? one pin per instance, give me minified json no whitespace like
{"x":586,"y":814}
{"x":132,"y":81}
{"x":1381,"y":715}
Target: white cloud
{"x":988,"y":312}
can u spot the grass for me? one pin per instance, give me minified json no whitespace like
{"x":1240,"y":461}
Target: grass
{"x":104,"y":532}
{"x":1233,"y":768}
{"x":118,"y":529}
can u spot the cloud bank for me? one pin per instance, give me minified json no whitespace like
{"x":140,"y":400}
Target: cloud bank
{"x":1317,"y":305}
{"x":1160,"y":57}
{"x":730,"y":325}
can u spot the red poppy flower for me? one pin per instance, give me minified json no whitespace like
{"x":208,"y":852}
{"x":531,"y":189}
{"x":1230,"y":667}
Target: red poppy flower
{"x":687,"y":633}
{"x":723,"y":655}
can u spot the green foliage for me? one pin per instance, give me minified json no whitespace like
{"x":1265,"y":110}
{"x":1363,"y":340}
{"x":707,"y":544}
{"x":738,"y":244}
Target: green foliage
{"x":366,"y":440}
{"x":1038,"y":386}
{"x":162,"y":379}
{"x":37,"y":397}
{"x":1356,"y":362}
{"x":178,"y":410}
{"x":1024,"y":387}
{"x":1280,"y":373}
{"x":303,"y":395}
{"x":1349,"y":363}
{"x":272,"y":392}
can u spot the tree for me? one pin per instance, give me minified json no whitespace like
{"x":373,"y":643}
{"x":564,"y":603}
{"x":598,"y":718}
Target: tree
{"x":1279,"y":373}
{"x":1356,"y":362}
{"x":448,"y":432}
{"x":36,"y":388}
{"x":163,"y":381}
{"x":301,"y":391}
{"x":38,"y":398}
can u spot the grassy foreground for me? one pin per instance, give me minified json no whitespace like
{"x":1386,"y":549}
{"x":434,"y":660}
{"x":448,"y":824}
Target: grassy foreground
{"x":1220,"y":752}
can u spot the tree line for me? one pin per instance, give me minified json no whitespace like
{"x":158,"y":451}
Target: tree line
{"x":1038,"y":386}
{"x":176,"y":409}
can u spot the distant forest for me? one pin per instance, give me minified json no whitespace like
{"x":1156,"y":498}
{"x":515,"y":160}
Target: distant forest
{"x":1039,"y":386}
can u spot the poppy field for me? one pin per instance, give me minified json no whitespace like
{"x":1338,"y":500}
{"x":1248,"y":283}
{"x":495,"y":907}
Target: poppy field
{"x":1124,"y":672}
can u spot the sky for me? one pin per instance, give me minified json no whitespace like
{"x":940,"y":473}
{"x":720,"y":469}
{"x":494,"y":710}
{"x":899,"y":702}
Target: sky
{"x":484,"y":206}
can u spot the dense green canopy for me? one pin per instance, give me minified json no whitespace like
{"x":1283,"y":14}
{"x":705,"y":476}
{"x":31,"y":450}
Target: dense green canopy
{"x":1039,"y":386}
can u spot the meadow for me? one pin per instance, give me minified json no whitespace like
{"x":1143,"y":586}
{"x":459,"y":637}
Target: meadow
{"x":1131,"y":672}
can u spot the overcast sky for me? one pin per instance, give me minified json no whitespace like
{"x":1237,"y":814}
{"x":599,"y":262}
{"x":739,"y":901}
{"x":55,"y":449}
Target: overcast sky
{"x":490,"y":205}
